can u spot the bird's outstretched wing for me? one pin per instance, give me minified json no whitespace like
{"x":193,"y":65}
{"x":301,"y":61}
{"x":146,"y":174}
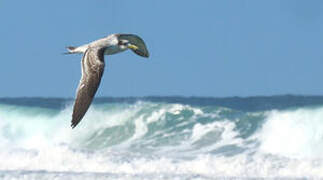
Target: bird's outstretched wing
{"x":92,"y":71}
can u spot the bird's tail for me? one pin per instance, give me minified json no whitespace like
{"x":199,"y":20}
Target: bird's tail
{"x":74,"y":50}
{"x":70,"y":50}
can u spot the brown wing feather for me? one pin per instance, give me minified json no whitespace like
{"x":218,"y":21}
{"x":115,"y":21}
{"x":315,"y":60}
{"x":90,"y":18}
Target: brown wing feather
{"x":92,"y":71}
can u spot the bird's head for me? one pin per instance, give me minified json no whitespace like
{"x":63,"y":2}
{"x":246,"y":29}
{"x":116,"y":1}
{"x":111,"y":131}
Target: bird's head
{"x":133,"y":42}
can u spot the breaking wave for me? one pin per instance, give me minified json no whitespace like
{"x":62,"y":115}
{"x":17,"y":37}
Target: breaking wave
{"x":151,"y":140}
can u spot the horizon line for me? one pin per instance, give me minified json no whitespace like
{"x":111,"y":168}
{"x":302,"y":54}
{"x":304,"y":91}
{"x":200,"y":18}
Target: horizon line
{"x":165,"y":96}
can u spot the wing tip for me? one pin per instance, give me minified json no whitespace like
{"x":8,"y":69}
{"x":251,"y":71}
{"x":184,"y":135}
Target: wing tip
{"x":73,"y":125}
{"x":75,"y":121}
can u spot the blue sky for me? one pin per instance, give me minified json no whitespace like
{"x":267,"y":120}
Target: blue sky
{"x":198,"y":48}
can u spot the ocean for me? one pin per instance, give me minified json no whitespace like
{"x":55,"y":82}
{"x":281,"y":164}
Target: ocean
{"x":172,"y":138}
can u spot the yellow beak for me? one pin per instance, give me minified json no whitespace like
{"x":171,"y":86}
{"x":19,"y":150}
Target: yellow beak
{"x":133,"y":47}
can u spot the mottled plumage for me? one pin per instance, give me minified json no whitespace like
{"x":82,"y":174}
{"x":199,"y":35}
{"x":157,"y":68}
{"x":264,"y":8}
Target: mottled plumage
{"x":93,"y":66}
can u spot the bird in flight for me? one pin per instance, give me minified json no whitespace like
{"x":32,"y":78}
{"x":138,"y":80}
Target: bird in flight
{"x":93,"y":66}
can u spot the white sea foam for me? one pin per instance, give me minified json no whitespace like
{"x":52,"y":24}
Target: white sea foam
{"x":294,"y":133}
{"x":59,"y":159}
{"x":44,"y":146}
{"x":220,"y":131}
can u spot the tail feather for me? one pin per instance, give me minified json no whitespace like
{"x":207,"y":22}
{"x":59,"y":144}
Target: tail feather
{"x":76,"y":50}
{"x":70,"y":49}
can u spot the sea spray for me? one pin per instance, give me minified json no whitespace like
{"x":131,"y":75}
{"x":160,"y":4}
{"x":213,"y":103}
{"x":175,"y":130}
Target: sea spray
{"x":159,"y":140}
{"x":293,"y":133}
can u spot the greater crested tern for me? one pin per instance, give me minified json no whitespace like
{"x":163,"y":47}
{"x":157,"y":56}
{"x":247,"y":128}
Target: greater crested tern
{"x":93,"y":66}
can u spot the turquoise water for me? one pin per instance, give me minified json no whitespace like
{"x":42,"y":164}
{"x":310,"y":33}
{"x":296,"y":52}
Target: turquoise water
{"x":163,"y":138}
